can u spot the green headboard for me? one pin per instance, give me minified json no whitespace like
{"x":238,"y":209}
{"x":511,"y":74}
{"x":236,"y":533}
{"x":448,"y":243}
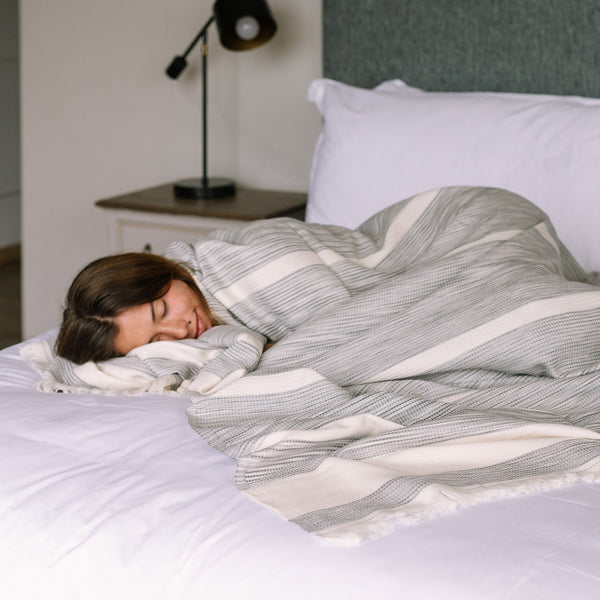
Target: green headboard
{"x":534,"y":46}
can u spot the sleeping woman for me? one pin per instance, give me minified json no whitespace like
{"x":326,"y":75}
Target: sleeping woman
{"x":447,"y":348}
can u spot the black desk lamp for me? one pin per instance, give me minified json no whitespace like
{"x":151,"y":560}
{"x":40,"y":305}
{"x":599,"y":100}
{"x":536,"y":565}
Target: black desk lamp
{"x":242,"y":25}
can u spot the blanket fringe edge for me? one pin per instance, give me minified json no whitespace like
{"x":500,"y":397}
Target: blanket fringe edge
{"x":381,"y":523}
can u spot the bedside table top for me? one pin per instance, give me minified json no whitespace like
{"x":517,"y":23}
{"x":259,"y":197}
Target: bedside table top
{"x":247,"y":205}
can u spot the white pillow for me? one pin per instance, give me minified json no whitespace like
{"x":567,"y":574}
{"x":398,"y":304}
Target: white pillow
{"x":383,"y":145}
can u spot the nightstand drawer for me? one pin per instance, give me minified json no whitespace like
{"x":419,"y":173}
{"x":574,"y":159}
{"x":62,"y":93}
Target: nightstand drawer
{"x":138,"y":231}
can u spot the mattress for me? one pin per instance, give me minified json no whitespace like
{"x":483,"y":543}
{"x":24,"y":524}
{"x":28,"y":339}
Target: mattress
{"x":116,"y":496}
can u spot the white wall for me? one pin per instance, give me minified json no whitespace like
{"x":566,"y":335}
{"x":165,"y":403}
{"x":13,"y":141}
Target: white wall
{"x":100,"y":118}
{"x":10,"y":225}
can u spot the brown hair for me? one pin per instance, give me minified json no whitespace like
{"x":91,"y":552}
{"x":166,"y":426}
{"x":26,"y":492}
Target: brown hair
{"x":105,"y":288}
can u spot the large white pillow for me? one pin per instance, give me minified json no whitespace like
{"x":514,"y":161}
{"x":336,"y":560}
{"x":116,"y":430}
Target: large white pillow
{"x":383,"y":145}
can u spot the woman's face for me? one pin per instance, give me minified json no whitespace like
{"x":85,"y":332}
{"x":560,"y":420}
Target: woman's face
{"x":176,"y":316}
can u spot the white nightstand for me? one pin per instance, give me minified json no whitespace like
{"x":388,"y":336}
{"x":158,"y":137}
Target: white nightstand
{"x":151,"y":219}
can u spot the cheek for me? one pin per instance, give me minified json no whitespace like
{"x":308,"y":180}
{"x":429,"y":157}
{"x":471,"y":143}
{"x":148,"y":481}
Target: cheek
{"x":192,"y":300}
{"x":132,"y":330}
{"x":181,"y":297}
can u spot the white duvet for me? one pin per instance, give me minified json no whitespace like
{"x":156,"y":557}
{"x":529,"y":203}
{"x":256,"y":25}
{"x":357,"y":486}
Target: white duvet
{"x":116,"y":497}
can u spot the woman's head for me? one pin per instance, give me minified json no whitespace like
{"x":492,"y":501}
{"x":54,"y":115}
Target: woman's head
{"x":120,"y":302}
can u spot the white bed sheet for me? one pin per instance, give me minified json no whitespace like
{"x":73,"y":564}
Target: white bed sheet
{"x":116,"y":497}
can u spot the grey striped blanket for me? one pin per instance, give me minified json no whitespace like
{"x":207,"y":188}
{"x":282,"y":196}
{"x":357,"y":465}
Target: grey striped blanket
{"x":444,"y":353}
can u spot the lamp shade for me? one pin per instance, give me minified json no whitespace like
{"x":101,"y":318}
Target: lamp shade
{"x":243,"y":24}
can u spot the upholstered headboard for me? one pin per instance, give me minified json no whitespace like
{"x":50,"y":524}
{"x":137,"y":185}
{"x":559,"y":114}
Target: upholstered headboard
{"x":534,"y":46}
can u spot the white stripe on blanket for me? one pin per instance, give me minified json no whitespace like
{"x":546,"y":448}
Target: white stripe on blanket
{"x":444,"y":353}
{"x":351,"y":480}
{"x":437,"y":356}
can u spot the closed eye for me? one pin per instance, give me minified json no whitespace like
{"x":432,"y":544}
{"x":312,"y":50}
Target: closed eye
{"x":158,"y":338}
{"x":153,"y":316}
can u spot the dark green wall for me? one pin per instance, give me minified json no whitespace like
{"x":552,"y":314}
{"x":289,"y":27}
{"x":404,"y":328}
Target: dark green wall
{"x":536,"y":46}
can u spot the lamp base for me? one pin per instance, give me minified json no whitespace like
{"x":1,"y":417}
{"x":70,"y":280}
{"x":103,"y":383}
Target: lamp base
{"x":196,"y":187}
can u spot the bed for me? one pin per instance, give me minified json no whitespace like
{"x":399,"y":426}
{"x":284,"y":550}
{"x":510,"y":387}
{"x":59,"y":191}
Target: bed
{"x":117,"y":496}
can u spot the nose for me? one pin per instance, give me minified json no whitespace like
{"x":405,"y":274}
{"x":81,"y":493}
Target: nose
{"x":177,"y":329}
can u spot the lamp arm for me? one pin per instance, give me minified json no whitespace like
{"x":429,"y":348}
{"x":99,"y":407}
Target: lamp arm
{"x":198,"y":36}
{"x":179,"y":63}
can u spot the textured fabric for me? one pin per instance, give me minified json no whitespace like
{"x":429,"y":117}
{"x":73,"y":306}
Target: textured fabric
{"x":443,"y":353}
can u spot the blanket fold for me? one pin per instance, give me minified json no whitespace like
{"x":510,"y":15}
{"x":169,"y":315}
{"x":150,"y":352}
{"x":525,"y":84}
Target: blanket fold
{"x":196,"y":367}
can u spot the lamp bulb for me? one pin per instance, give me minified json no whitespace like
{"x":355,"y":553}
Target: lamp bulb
{"x":247,"y":28}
